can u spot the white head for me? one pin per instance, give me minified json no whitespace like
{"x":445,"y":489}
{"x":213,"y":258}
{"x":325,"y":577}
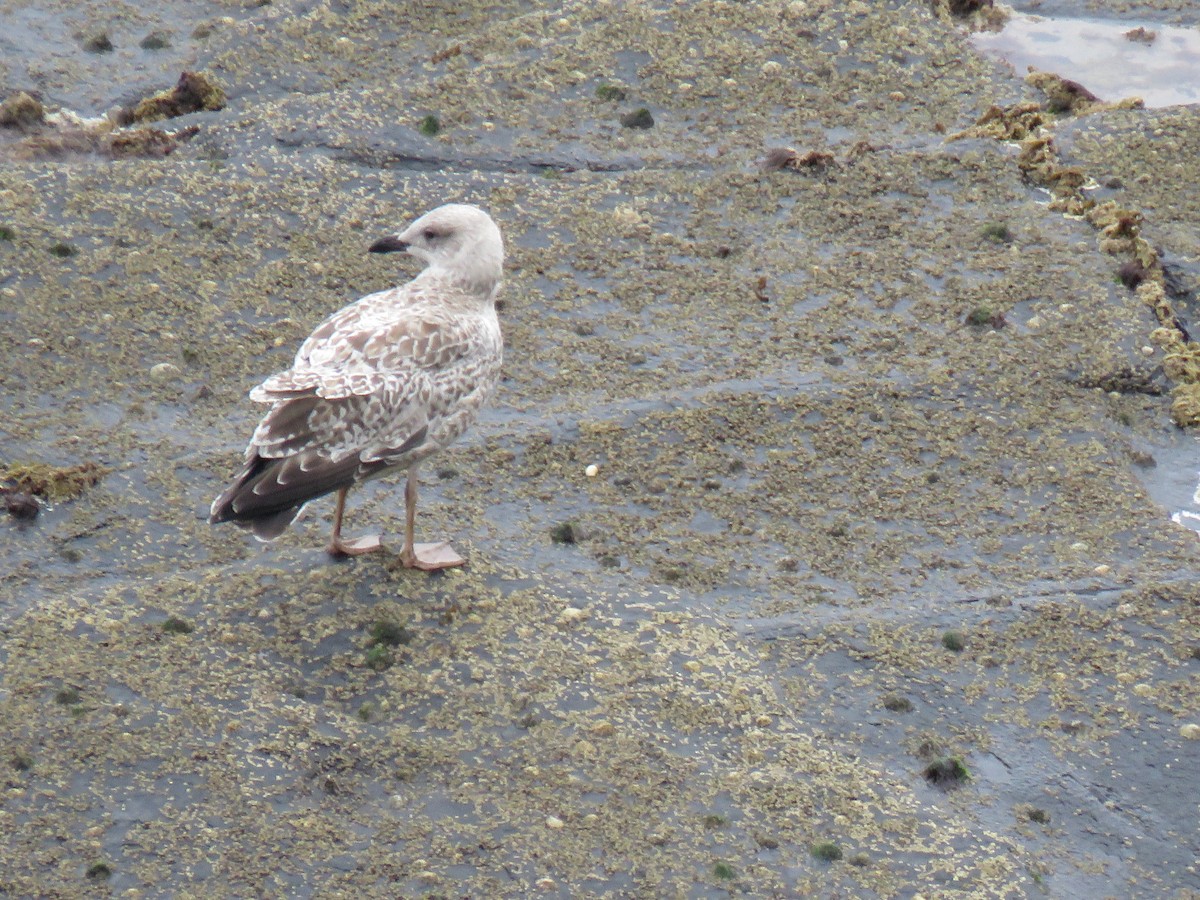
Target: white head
{"x":456,"y":239}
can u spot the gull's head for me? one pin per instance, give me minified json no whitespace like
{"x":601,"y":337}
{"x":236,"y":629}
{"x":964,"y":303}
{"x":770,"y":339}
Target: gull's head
{"x":456,"y":239}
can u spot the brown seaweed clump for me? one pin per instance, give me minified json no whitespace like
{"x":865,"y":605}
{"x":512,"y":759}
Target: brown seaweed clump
{"x":780,"y":158}
{"x":1062,"y":94}
{"x":22,"y":111}
{"x":147,"y":143}
{"x":192,"y":93}
{"x":1006,"y":123}
{"x":51,"y":482}
{"x":20,"y":505}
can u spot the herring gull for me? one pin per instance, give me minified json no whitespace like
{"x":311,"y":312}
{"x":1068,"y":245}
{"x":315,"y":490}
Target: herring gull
{"x":380,"y":385}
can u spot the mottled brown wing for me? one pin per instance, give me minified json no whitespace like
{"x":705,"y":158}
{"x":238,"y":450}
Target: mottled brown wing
{"x":373,"y":397}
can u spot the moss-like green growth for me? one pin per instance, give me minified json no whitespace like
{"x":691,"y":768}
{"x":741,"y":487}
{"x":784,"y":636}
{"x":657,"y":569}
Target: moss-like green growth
{"x":429,"y":125}
{"x":997,"y":232}
{"x":610,"y":93}
{"x":379,"y":657}
{"x":99,"y":871}
{"x":20,"y":761}
{"x":564,"y":533}
{"x":176,"y":625}
{"x":860,"y":859}
{"x":366,"y":712}
{"x":155,"y":40}
{"x":983,"y":316}
{"x":67,"y":696}
{"x":954,"y":640}
{"x":7,"y":233}
{"x":389,"y":634}
{"x":897,"y":703}
{"x":63,"y":250}
{"x":193,"y":92}
{"x":1039,"y":815}
{"x":724,"y":871}
{"x":52,"y":482}
{"x":21,"y":111}
{"x":826,"y":851}
{"x":202,"y":31}
{"x":98,"y":43}
{"x":946,"y":771}
{"x":638,"y":118}
{"x":714,"y":820}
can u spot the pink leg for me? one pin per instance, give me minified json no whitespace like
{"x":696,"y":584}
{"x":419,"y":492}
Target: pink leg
{"x":353,"y":546}
{"x":429,"y":557}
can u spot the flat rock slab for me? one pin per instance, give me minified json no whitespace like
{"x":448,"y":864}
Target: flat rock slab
{"x":872,"y":590}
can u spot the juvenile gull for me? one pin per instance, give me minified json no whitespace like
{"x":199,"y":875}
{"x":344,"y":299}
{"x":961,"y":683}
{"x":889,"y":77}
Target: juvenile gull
{"x":379,"y":386}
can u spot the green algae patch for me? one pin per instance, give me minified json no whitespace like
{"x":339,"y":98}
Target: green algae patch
{"x":826,"y":851}
{"x":177,"y":625}
{"x":52,"y":482}
{"x":946,"y":772}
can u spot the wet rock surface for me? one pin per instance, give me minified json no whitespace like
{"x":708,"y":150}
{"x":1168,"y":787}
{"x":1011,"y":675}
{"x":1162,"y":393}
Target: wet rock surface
{"x":872,"y":591}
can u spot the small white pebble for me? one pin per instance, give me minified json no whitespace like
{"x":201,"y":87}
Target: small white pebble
{"x":1191,"y":731}
{"x":1147,"y":350}
{"x":545,"y":884}
{"x":554,"y":822}
{"x":572,"y":615}
{"x":1079,"y":547}
{"x":771,"y":67}
{"x":592,"y":471}
{"x":163,"y":371}
{"x":1034,"y":322}
{"x":1102,"y":570}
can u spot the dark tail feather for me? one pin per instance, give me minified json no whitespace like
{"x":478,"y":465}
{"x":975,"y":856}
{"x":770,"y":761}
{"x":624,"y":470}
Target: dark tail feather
{"x":267,"y":528}
{"x":268,"y":494}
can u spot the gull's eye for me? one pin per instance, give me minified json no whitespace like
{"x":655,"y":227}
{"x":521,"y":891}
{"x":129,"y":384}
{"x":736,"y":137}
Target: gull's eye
{"x":430,"y":235}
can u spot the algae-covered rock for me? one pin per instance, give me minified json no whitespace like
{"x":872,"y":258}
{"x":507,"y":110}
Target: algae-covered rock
{"x":193,"y":92}
{"x":52,"y":482}
{"x":21,"y":111}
